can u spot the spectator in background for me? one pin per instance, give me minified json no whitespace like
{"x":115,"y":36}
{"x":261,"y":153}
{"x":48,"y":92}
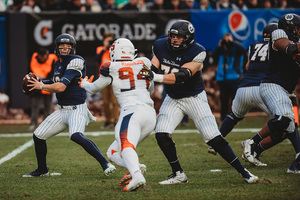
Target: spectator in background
{"x":2,"y":6}
{"x":92,"y":6}
{"x":42,"y":63}
{"x":110,"y":102}
{"x":30,"y":7}
{"x":231,"y":58}
{"x":109,"y":6}
{"x":16,"y":6}
{"x":175,"y":5}
{"x":4,"y":101}
{"x":189,"y":4}
{"x":252,"y":4}
{"x":131,"y":5}
{"x":158,"y":5}
{"x":282,"y":4}
{"x":225,"y":4}
{"x":241,"y":5}
{"x":142,"y":6}
{"x":205,"y":5}
{"x":267,"y":4}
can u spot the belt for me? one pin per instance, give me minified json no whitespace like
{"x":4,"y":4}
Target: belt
{"x":67,"y":107}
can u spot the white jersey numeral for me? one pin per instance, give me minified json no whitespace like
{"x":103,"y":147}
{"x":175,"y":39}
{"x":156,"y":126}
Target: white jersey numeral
{"x":260,"y":51}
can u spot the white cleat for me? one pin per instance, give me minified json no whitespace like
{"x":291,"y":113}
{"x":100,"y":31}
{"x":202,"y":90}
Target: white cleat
{"x":110,"y":169}
{"x":250,"y":178}
{"x":256,"y":162}
{"x":247,"y":151}
{"x":179,"y":177}
{"x":135,"y":183}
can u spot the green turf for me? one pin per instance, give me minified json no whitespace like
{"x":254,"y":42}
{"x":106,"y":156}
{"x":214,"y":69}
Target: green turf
{"x":83,"y":178}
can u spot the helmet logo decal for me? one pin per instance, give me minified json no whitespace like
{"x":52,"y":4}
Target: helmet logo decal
{"x":191,"y":28}
{"x":289,"y":17}
{"x":65,"y":40}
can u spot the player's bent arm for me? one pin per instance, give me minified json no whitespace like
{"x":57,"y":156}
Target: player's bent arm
{"x":97,"y":85}
{"x":53,"y":88}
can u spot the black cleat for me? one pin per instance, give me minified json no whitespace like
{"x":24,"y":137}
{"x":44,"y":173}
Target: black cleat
{"x":37,"y":173}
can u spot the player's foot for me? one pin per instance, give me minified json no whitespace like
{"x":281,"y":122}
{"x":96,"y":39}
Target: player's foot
{"x":248,"y":151}
{"x":248,"y":177}
{"x":211,"y":151}
{"x":294,"y":168}
{"x":110,"y":169}
{"x":37,"y":173}
{"x":135,"y":183}
{"x":179,"y":177}
{"x":127,"y":177}
{"x":256,"y":162}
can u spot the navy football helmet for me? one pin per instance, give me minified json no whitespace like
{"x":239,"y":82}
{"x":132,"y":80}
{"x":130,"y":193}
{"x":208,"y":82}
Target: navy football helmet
{"x":65,"y":39}
{"x":291,"y":23}
{"x":268,"y":31}
{"x":182,"y":28}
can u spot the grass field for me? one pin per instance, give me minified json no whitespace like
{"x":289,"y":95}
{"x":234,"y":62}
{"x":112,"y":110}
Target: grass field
{"x":83,"y":178}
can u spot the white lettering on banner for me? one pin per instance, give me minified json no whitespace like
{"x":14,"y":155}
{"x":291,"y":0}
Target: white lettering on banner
{"x":258,"y":31}
{"x":43,"y":34}
{"x":91,"y":32}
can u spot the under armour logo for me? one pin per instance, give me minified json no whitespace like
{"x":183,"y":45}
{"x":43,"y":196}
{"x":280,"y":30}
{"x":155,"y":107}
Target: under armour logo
{"x":178,"y":59}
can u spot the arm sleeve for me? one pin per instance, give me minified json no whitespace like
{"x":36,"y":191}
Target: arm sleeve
{"x":69,"y":75}
{"x":97,"y":85}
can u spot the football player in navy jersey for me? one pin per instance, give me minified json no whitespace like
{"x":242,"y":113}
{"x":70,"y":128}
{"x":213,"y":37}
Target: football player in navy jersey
{"x":247,"y":95}
{"x":181,"y":60}
{"x":72,"y":113}
{"x":279,"y":82}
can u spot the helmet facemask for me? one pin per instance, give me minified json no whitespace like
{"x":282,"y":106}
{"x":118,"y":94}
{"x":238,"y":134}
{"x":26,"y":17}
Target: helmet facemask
{"x":181,"y":28}
{"x":65,"y":39}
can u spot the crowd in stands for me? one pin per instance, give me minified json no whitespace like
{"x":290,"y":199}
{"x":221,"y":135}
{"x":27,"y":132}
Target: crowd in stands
{"x":142,"y":5}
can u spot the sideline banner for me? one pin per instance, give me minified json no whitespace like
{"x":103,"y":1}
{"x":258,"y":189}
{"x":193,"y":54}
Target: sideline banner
{"x":246,"y":26}
{"x":142,"y":28}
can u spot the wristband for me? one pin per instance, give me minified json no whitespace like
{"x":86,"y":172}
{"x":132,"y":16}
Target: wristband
{"x":41,"y":87}
{"x":158,"y":78}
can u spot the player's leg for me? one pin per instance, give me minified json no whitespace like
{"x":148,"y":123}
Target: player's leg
{"x":170,"y":115}
{"x":51,"y":126}
{"x":77,"y":120}
{"x":199,"y":110}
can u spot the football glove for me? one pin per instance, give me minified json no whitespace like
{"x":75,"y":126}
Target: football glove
{"x":147,"y":73}
{"x":85,"y":80}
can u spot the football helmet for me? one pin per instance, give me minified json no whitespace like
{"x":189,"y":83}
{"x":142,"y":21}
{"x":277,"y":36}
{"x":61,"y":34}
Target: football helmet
{"x":291,"y":23}
{"x":182,"y":28}
{"x":65,"y":39}
{"x":268,"y":31}
{"x":122,"y":49}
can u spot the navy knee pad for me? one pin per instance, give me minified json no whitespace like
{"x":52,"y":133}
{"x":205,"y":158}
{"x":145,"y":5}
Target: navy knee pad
{"x":164,"y":141}
{"x":218,"y":143}
{"x":279,"y":124}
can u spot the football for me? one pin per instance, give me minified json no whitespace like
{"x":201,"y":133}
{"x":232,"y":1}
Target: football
{"x":25,"y":83}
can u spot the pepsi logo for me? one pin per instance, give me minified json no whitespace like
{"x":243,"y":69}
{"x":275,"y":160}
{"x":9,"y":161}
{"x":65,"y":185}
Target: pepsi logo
{"x":239,"y":25}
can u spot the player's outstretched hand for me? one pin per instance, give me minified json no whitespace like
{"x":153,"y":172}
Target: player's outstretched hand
{"x":85,"y":80}
{"x":147,"y":73}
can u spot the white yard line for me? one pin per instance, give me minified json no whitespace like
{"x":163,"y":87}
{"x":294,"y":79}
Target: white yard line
{"x":30,"y":143}
{"x":16,"y":151}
